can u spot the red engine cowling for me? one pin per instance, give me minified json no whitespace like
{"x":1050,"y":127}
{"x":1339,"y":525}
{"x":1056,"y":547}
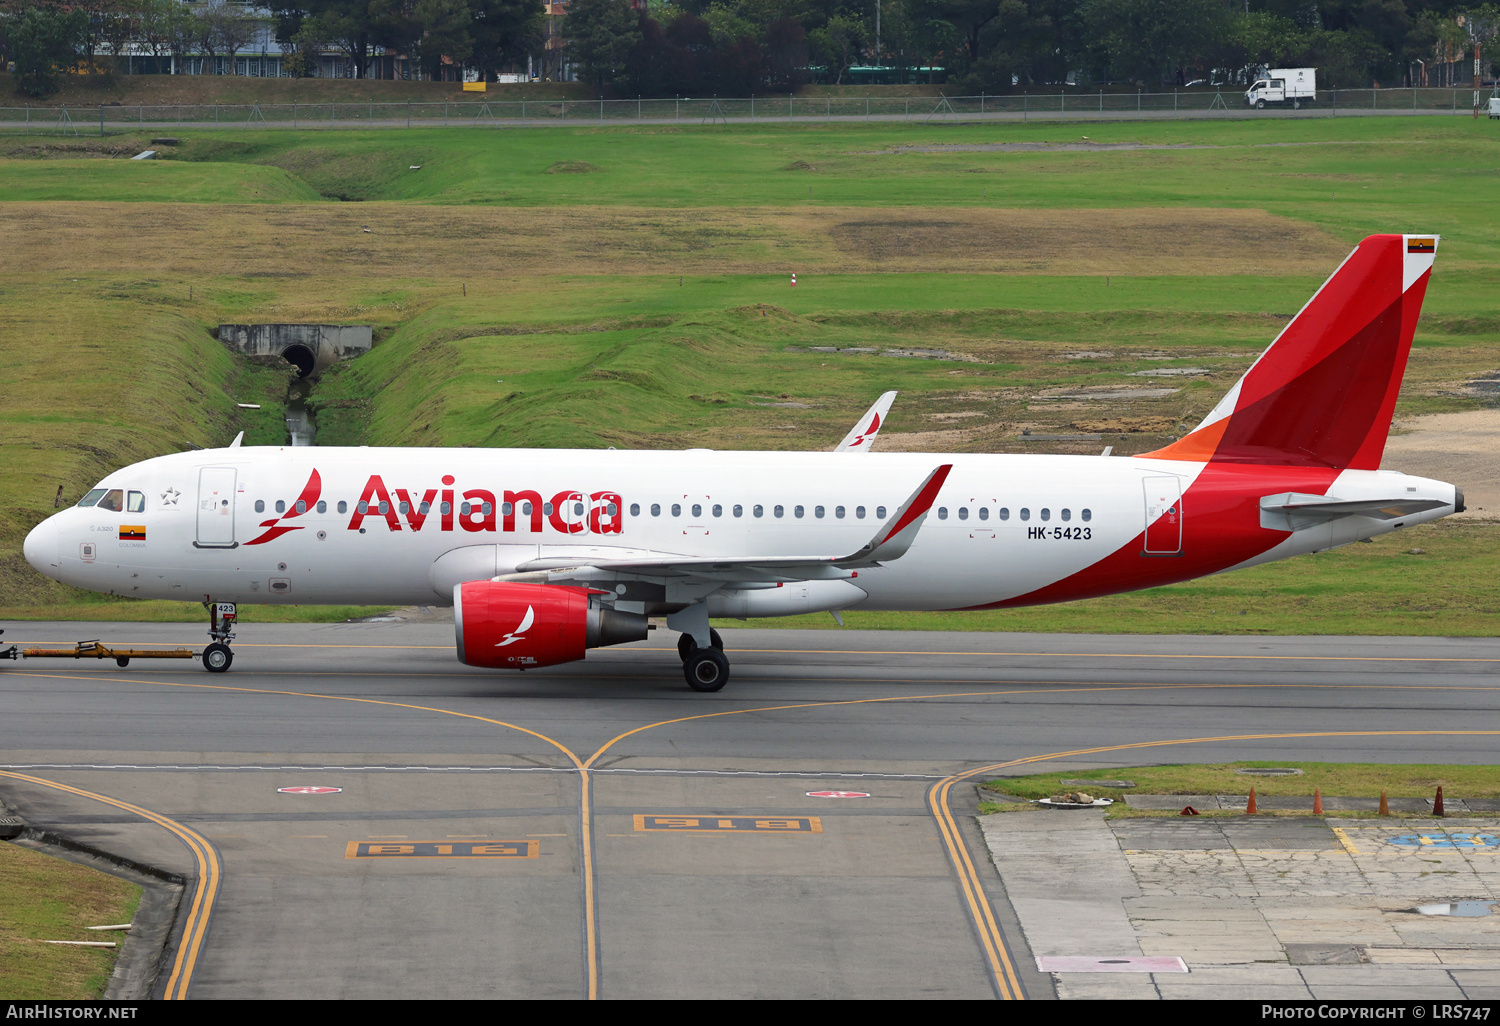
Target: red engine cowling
{"x":517,"y":626}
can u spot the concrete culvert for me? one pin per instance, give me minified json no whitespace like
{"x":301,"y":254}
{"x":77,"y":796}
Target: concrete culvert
{"x":300,"y":356}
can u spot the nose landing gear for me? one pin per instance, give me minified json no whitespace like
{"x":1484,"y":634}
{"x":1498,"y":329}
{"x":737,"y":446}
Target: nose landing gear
{"x":221,"y":616}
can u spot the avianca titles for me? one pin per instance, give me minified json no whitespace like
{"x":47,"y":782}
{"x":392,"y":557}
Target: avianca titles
{"x":546,"y":553}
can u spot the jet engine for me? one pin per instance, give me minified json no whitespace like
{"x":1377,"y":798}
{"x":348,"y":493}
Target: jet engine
{"x":516,"y":626}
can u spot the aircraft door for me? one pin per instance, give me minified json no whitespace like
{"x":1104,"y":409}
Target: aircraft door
{"x":1163,"y":516}
{"x":216,"y":508}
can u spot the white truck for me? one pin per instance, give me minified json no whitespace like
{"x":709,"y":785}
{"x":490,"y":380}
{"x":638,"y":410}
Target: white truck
{"x":1294,"y":86}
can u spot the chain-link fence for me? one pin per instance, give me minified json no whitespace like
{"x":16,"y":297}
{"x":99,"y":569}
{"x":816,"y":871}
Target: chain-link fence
{"x":1024,"y":106}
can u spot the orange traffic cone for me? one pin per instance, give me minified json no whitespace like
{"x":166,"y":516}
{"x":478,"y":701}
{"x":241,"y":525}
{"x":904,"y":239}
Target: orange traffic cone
{"x":1250,"y":805}
{"x":1188,"y":810}
{"x":1385,"y":808}
{"x":1317,"y":801}
{"x":1437,"y":804}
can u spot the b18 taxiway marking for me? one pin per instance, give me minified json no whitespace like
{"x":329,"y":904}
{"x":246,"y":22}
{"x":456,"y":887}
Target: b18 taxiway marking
{"x":730,"y":824}
{"x":442,"y":850}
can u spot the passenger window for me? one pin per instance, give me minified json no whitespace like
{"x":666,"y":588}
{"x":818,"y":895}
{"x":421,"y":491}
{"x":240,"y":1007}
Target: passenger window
{"x":114,"y":500}
{"x":942,"y":512}
{"x":1088,"y":515}
{"x":343,"y":506}
{"x":984,"y":512}
{"x":302,"y":506}
{"x":656,"y":509}
{"x":546,"y":509}
{"x":879,"y":512}
{"x":363,"y":507}
{"x":323,"y":506}
{"x":718,"y":510}
{"x":463,"y":509}
{"x":577,"y":509}
{"x":92,"y":497}
{"x":963,"y":512}
{"x":446,"y":508}
{"x":677,"y":509}
{"x":818,"y":512}
{"x":385,"y":507}
{"x":1025,"y":513}
{"x":281,"y":505}
{"x":778,"y":512}
{"x":136,"y":502}
{"x":635,"y":509}
{"x":260,"y":505}
{"x":759,"y":511}
{"x":838,"y":511}
{"x":859,"y":512}
{"x":1067,"y":515}
{"x":486,"y":509}
{"x":1046,"y":513}
{"x":1004,"y":512}
{"x":797,"y":512}
{"x":697,"y":509}
{"x":525,"y":509}
{"x":423,"y":509}
{"x":739,"y":510}
{"x":611,"y":509}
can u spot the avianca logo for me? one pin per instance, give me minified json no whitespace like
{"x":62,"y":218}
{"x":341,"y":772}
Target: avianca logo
{"x":479,"y":510}
{"x":519,"y":634}
{"x":309,"y":497}
{"x":874,"y":427}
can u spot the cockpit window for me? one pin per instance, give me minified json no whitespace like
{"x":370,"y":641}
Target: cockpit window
{"x":92,"y":497}
{"x":114,"y":500}
{"x":135,"y":502}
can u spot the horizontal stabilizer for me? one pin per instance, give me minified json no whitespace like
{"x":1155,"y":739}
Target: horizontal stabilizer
{"x":1293,"y":511}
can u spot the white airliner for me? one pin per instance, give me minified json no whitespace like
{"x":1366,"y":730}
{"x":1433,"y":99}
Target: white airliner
{"x":546,"y":553}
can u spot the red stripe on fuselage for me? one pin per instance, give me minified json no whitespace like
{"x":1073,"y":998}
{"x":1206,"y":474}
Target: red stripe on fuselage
{"x":1221,"y":528}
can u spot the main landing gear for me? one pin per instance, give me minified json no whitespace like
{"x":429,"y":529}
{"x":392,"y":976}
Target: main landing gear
{"x":221,"y":616}
{"x":706,"y":669}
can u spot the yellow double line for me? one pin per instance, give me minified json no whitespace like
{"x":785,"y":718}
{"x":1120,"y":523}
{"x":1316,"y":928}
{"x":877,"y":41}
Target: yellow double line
{"x":207,"y":889}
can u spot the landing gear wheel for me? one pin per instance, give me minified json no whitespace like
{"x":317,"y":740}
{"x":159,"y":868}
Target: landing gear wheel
{"x":122,"y":660}
{"x":706,"y":669}
{"x":217,"y":657}
{"x":714,"y":639}
{"x":686,"y":646}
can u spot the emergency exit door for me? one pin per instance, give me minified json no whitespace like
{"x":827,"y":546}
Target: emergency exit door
{"x":1163,"y":516}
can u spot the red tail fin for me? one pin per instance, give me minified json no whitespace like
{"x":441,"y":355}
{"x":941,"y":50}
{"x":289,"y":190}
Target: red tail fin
{"x":1323,"y":394}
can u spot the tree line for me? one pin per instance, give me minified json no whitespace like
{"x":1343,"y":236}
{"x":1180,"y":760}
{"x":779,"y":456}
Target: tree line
{"x":740,"y":47}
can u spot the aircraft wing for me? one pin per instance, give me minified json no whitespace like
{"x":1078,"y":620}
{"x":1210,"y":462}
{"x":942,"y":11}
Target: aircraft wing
{"x":862,"y":436}
{"x":891,"y":541}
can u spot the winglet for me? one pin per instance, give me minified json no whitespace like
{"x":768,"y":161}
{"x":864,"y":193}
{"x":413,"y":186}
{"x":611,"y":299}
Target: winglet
{"x":897,"y":534}
{"x":862,"y":437}
{"x":237,"y":440}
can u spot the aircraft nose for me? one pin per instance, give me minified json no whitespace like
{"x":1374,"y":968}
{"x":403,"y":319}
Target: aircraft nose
{"x":41,"y":546}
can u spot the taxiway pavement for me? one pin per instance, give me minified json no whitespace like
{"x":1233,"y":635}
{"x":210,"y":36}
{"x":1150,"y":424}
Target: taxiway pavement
{"x":627,"y":837}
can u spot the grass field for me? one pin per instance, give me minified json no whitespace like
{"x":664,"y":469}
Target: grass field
{"x":49,"y":899}
{"x":646,"y":302}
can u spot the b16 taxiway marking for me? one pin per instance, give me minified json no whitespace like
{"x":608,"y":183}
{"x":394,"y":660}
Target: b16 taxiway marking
{"x":442,"y":850}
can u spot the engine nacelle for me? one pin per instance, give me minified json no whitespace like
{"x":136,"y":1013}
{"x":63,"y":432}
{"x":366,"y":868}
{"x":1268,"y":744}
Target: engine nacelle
{"x":516,"y":626}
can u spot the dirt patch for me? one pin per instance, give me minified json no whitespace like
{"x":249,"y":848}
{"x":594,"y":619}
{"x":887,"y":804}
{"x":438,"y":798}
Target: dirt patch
{"x":1092,"y":241}
{"x":1126,"y":425}
{"x":1456,"y":447}
{"x":322,"y":239}
{"x":572,"y":167}
{"x":799,"y":165}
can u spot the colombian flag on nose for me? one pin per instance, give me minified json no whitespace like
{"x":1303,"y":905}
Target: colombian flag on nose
{"x":132,"y":532}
